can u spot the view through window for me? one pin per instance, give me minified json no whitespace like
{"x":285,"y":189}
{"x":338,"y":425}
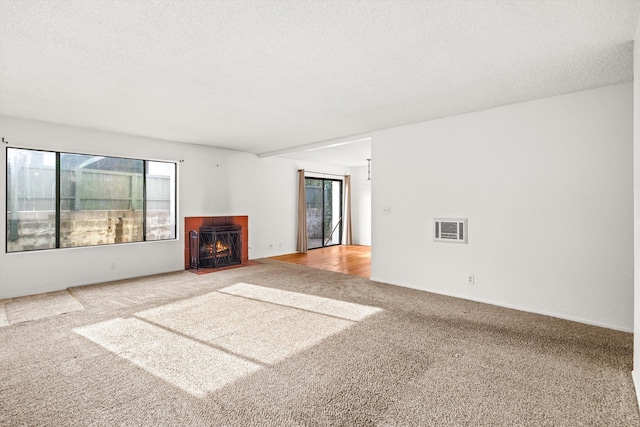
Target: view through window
{"x":61,"y":200}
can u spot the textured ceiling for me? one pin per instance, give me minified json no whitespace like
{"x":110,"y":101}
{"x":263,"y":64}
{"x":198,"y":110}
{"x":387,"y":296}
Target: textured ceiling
{"x":264,"y":76}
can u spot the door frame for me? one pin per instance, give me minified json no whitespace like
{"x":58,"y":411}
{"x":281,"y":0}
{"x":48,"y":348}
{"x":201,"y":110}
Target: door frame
{"x":339,"y":229}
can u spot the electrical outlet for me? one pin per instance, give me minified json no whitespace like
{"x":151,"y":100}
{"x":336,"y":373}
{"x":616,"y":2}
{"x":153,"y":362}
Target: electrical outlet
{"x":387,"y":210}
{"x":113,"y":265}
{"x":471,"y":279}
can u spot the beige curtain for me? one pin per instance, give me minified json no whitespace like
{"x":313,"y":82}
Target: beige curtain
{"x":302,"y":213}
{"x":348,"y":227}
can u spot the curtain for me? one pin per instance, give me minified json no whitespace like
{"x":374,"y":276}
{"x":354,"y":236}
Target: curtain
{"x":348,"y":226}
{"x":302,"y":213}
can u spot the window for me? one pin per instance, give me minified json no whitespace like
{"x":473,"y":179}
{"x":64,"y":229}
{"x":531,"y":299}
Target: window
{"x":31,"y":200}
{"x":324,"y":212}
{"x":62,"y":200}
{"x":161,"y":200}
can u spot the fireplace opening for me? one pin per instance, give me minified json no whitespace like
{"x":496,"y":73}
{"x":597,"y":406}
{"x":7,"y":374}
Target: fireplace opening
{"x":215,"y":246}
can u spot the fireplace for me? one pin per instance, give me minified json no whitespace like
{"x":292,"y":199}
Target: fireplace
{"x":215,"y":246}
{"x":203,"y":227}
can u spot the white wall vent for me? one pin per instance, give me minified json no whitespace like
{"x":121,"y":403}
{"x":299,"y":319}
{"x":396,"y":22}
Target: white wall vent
{"x":450,"y":230}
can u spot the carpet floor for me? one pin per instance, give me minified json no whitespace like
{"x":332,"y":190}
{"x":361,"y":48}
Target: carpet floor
{"x":278,"y":344}
{"x":33,"y":307}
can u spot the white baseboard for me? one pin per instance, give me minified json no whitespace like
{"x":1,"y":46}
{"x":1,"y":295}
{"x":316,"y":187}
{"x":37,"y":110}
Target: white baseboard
{"x":511,"y":306}
{"x":62,"y":287}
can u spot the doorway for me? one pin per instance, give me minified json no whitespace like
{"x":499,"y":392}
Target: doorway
{"x":324,"y":212}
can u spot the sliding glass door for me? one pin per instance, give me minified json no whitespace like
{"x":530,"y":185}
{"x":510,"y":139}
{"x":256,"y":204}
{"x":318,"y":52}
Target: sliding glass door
{"x":324,"y":212}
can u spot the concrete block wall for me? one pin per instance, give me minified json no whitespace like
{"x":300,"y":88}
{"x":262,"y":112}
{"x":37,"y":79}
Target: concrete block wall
{"x":36,"y":230}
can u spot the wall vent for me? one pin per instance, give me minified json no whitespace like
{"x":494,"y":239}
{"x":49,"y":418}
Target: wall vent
{"x":450,"y":230}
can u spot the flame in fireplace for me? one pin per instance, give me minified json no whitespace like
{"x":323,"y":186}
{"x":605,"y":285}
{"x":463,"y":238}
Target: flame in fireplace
{"x":220,"y":249}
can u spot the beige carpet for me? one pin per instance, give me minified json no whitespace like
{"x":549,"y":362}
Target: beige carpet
{"x":281,"y":344}
{"x":25,"y":309}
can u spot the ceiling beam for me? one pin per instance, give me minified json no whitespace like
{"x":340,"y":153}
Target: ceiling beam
{"x":317,"y":145}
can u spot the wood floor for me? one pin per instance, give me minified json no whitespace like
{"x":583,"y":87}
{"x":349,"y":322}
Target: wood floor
{"x":355,"y":260}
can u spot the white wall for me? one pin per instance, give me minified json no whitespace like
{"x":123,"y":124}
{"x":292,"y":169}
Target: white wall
{"x":267,"y":191}
{"x":210,"y":182}
{"x":361,"y":206}
{"x":636,"y":151}
{"x":547,"y":188}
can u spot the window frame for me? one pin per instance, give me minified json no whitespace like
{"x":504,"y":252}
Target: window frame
{"x":173,"y":206}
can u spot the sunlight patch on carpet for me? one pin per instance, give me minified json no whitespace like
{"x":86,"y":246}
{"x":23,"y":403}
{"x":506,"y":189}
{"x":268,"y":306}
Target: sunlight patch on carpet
{"x":203,"y":343}
{"x":321,"y":305}
{"x":259,"y":331}
{"x":194,"y":367}
{"x":34,"y":307}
